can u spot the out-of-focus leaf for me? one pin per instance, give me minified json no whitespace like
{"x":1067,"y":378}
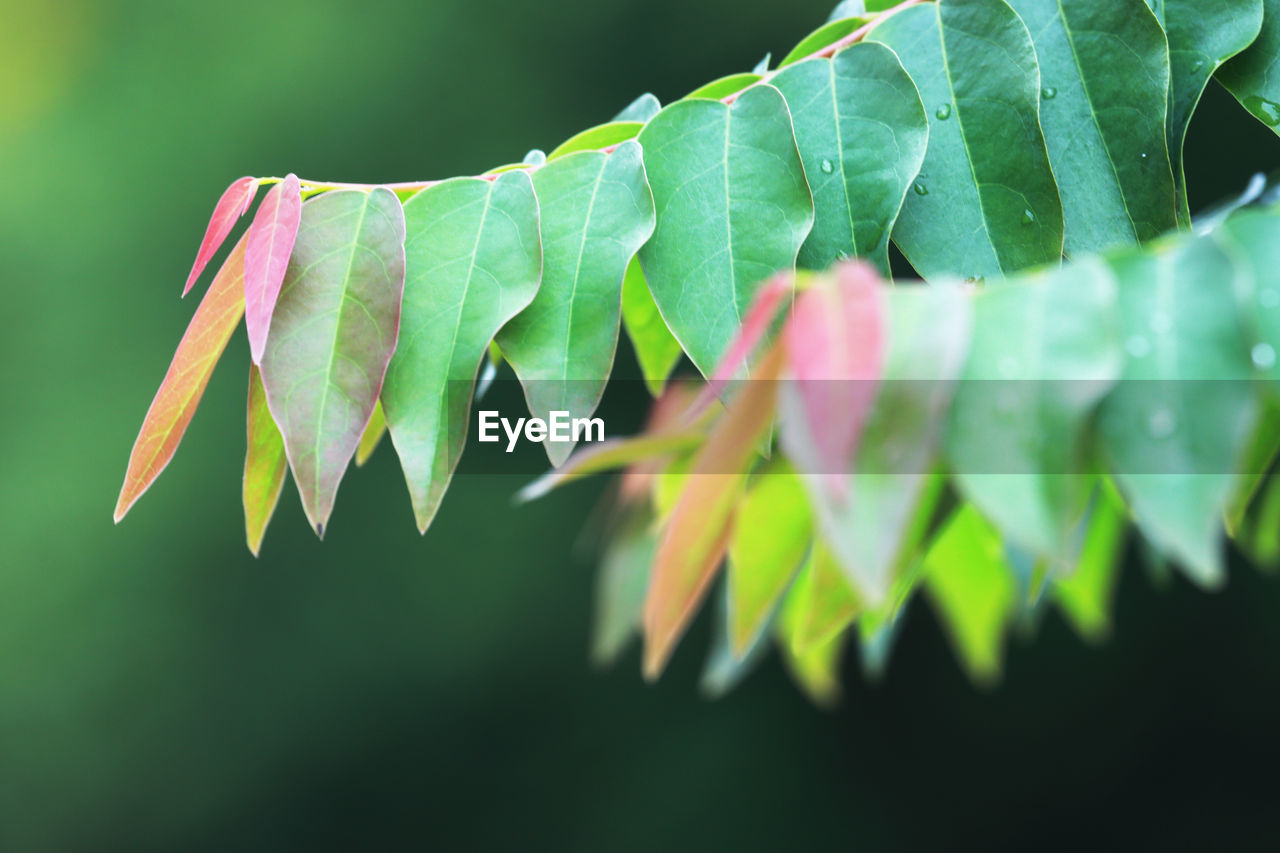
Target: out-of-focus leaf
{"x":817,"y":670}
{"x":641,"y":109}
{"x":610,"y":454}
{"x":1174,"y":430}
{"x":862,"y":133}
{"x":233,"y":203}
{"x":697,"y":532}
{"x":835,"y":342}
{"x":827,"y":34}
{"x":1253,"y":238}
{"x":656,"y":348}
{"x":1104,"y":73}
{"x":595,"y":138}
{"x":1260,"y":452}
{"x":726,"y":667}
{"x":474,"y":260}
{"x":266,"y":258}
{"x":1262,"y":542}
{"x":620,"y":589}
{"x":372,"y":435}
{"x":971,"y":586}
{"x":771,"y":535}
{"x":985,"y":201}
{"x":184,"y":383}
{"x":724,"y":87}
{"x":1085,"y":595}
{"x":335,"y":326}
{"x":1254,"y":76}
{"x":264,"y":464}
{"x":847,"y":9}
{"x":868,"y":531}
{"x":733,"y":208}
{"x":596,"y":211}
{"x":1045,"y":351}
{"x":762,"y":67}
{"x":535,"y":157}
{"x":1202,"y":34}
{"x":826,"y":604}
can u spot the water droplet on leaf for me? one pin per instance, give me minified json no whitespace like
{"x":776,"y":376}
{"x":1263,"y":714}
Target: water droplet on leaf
{"x":943,"y":112}
{"x":921,"y":189}
{"x":1138,"y":346}
{"x":1161,"y":423}
{"x":1048,"y":93}
{"x":1264,"y":356}
{"x":1268,"y":111}
{"x":828,"y":167}
{"x":1144,"y":155}
{"x":1028,"y":217}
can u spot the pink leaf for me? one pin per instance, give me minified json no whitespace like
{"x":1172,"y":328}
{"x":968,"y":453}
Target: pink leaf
{"x":266,"y":257}
{"x":233,"y":204}
{"x":835,"y":341}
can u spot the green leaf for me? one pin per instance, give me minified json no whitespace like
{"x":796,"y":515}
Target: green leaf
{"x":872,"y":531}
{"x":724,"y":87}
{"x":1174,"y":429}
{"x":473,"y":262}
{"x":862,"y":133}
{"x":1253,"y":237}
{"x":1046,"y":349}
{"x":1085,"y":595}
{"x":1254,"y":76}
{"x":620,"y":589}
{"x":985,"y":201}
{"x":333,"y":331}
{"x":656,"y":348}
{"x":641,"y":109}
{"x":770,"y":538}
{"x":726,"y":667}
{"x":815,"y":670}
{"x":1104,"y":73}
{"x":847,"y":9}
{"x":601,"y":136}
{"x":372,"y":435}
{"x":596,"y":211}
{"x":971,"y":585}
{"x":733,"y":208}
{"x":827,"y":34}
{"x":264,"y":464}
{"x":535,"y":157}
{"x":1203,"y":34}
{"x":826,"y":604}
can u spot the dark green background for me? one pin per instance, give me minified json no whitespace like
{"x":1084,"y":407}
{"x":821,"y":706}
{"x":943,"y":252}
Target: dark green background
{"x":162,"y":690}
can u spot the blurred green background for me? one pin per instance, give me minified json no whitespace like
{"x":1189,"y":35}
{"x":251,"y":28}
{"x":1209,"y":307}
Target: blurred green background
{"x":162,"y":690}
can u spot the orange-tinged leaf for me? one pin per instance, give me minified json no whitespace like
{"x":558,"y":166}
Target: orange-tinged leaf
{"x":266,"y":258}
{"x":231,"y":206}
{"x":215,"y":319}
{"x":264,"y":464}
{"x":697,"y":533}
{"x":372,"y":435}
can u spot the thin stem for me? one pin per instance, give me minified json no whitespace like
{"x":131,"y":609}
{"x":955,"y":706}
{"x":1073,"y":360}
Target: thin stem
{"x":310,"y":187}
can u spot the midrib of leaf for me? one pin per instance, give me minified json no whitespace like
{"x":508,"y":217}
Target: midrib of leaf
{"x":1093,"y":118}
{"x":577,"y":273}
{"x":333,"y":349}
{"x":844,"y":182}
{"x":728,"y":214}
{"x":964,"y":138}
{"x":462,"y":306}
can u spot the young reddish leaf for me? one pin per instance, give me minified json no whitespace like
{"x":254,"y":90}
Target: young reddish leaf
{"x":264,"y":464}
{"x":835,"y":342}
{"x":372,"y":435}
{"x":174,"y":404}
{"x":697,"y":533}
{"x":233,"y":204}
{"x":335,"y":326}
{"x":266,"y":257}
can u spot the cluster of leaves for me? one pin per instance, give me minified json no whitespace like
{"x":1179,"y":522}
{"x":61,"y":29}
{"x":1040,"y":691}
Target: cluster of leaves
{"x":984,"y":137}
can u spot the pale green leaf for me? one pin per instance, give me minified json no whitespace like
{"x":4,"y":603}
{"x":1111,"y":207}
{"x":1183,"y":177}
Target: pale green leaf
{"x":656,"y":348}
{"x":1085,"y":594}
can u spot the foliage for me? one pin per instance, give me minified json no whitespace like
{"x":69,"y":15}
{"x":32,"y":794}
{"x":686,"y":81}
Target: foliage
{"x":870,"y":454}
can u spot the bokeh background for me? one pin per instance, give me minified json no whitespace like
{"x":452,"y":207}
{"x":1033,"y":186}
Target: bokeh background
{"x":160,"y":689}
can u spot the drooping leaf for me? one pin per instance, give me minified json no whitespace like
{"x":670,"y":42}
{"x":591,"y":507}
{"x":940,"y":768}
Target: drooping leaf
{"x":184,"y":383}
{"x":596,"y":211}
{"x":970,"y":583}
{"x":610,"y":454}
{"x":828,"y":33}
{"x":724,"y":87}
{"x":656,"y":349}
{"x":264,"y":464}
{"x":985,"y":201}
{"x":233,"y":204}
{"x":826,"y":604}
{"x":1104,"y":73}
{"x":1085,"y":594}
{"x":1262,"y":540}
{"x":266,"y":258}
{"x":473,"y":261}
{"x":1254,"y":76}
{"x":1046,"y":349}
{"x":335,"y":326}
{"x":770,"y":538}
{"x":726,"y":667}
{"x":870,"y":529}
{"x":1253,"y":236}
{"x":698,"y":529}
{"x":862,"y":132}
{"x":641,"y":109}
{"x":372,"y":435}
{"x":733,"y":208}
{"x":620,"y":589}
{"x":817,"y":670}
{"x":1174,"y":429}
{"x":601,"y":136}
